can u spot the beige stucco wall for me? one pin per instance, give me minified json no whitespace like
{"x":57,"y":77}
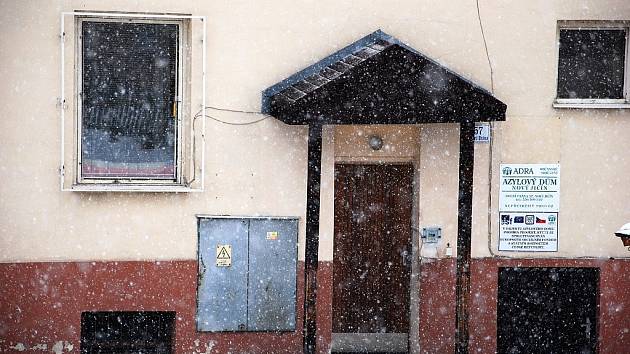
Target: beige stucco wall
{"x":261,"y":169}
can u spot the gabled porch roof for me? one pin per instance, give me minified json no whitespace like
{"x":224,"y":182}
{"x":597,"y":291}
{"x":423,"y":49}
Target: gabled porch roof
{"x":379,"y":80}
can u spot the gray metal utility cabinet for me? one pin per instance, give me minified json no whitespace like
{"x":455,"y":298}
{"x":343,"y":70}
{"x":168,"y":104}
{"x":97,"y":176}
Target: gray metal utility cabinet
{"x":247,"y":273}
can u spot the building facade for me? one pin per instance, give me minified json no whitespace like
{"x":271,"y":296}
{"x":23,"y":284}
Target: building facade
{"x":280,"y":177}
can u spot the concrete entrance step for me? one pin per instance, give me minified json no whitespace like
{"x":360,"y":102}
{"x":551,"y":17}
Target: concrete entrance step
{"x":369,"y":342}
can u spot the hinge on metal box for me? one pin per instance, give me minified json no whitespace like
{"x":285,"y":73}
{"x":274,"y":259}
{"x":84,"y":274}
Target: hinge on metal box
{"x":61,"y":103}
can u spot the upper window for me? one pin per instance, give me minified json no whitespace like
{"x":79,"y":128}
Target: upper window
{"x":128,"y":101}
{"x":592,"y":65}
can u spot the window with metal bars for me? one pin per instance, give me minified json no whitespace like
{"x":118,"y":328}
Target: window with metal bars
{"x":128,"y":100}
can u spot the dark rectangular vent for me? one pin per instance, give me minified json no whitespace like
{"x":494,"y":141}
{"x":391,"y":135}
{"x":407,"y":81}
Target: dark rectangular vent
{"x":547,"y":310}
{"x":117,"y":332}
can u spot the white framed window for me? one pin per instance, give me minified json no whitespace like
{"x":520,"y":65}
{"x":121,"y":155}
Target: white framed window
{"x":134,"y":117}
{"x":130,"y":87}
{"x":593,"y":65}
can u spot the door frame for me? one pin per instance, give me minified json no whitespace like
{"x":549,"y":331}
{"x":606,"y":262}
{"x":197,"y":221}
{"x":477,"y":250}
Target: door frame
{"x":413,"y":335}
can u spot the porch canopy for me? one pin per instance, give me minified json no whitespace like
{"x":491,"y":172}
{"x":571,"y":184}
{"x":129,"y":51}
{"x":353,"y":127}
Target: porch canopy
{"x":379,"y":80}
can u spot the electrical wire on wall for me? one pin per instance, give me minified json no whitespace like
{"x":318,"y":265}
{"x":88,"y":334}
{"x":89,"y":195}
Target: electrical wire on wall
{"x":198,"y":114}
{"x":231,"y":110}
{"x":491,"y":134}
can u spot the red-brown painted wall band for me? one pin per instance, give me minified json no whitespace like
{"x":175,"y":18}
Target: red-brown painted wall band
{"x":614,"y":300}
{"x":437,"y":309}
{"x":324,"y":306}
{"x":41,"y":304}
{"x":437,"y":306}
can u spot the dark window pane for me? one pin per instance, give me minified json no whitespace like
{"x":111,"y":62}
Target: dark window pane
{"x":591,"y":63}
{"x":129,"y":75}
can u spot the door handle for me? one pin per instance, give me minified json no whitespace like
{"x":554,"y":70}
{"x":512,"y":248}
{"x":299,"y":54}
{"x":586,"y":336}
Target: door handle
{"x":406,"y":258}
{"x":587,"y":328}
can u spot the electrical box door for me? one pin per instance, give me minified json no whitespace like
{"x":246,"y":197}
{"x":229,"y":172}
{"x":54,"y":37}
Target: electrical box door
{"x":222,"y":288}
{"x":247,"y":274}
{"x":272,"y":274}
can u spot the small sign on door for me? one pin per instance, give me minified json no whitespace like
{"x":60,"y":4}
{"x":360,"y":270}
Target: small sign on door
{"x":224,"y":255}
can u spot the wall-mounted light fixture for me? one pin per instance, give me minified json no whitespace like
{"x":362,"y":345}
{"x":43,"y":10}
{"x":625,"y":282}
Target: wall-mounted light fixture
{"x":624,"y":234}
{"x":375,"y":142}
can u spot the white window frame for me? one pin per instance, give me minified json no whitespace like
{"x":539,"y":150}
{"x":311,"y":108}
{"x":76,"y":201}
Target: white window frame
{"x":136,"y":184}
{"x":179,"y":98}
{"x":595,"y":102}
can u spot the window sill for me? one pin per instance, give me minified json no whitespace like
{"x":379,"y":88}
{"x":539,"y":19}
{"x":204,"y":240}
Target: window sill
{"x":592,"y":105}
{"x":132,"y":188}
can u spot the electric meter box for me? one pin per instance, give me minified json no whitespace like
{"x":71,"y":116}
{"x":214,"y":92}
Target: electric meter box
{"x":431,"y":234}
{"x":247,"y":273}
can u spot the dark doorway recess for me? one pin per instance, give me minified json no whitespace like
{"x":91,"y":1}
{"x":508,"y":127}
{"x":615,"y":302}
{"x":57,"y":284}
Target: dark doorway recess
{"x":372,"y":248}
{"x":547,"y":310}
{"x":126,"y":332}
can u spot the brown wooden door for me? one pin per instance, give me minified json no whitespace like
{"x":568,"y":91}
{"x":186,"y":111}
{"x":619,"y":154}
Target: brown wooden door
{"x":372,"y":248}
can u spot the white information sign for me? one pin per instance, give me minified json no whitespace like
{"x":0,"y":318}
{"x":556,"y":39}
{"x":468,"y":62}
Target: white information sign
{"x":482,"y":133}
{"x":530,"y":187}
{"x":528,"y":232}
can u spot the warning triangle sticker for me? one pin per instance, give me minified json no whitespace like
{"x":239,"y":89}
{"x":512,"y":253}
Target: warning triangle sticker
{"x":223,"y":254}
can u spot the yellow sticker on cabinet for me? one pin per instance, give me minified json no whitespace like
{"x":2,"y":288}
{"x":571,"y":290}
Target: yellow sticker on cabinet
{"x":224,"y":255}
{"x":272,"y":235}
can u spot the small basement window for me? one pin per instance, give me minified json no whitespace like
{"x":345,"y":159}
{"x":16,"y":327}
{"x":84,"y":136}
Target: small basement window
{"x":127,"y":332}
{"x":592,"y":66}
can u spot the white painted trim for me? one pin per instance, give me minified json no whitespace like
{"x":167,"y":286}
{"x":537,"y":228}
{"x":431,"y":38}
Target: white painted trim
{"x":415,"y":345}
{"x":585,"y":105}
{"x":590,"y":100}
{"x":203,"y":102}
{"x":131,"y":188}
{"x":132,"y":15}
{"x":62,"y":100}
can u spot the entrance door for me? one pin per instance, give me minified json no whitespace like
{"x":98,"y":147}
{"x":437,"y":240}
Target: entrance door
{"x":372,"y":249}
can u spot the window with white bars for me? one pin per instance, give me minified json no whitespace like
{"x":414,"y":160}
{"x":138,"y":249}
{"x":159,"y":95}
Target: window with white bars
{"x":134,"y":84}
{"x":129,"y":96}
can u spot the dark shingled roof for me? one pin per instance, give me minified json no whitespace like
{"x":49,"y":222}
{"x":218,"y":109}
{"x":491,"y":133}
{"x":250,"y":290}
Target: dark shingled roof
{"x":379,"y":80}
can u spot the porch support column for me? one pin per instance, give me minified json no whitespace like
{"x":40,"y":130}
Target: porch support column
{"x":464,"y":229}
{"x":312,"y":235}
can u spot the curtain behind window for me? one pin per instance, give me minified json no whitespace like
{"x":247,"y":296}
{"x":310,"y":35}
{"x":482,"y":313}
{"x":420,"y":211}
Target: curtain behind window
{"x":129,"y":86}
